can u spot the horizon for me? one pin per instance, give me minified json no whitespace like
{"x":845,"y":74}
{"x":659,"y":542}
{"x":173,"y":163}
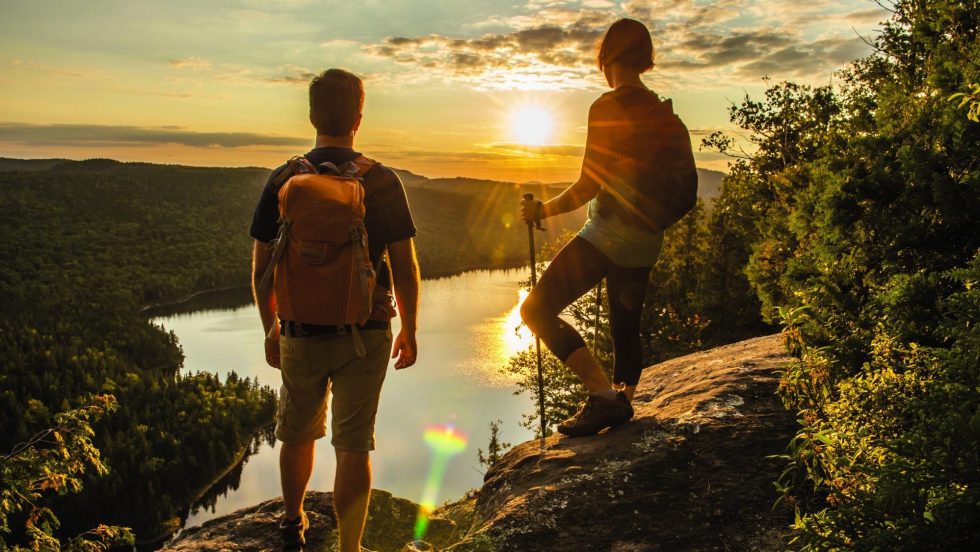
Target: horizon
{"x":492,"y":90}
{"x":427,"y":177}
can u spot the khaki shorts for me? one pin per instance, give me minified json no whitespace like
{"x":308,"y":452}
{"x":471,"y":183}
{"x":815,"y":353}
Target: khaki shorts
{"x":312,"y":368}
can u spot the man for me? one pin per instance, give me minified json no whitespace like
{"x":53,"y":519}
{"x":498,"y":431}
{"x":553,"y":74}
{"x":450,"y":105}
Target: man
{"x":317,"y":359}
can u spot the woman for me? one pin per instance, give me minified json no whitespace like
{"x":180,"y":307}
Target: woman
{"x":616,"y":242}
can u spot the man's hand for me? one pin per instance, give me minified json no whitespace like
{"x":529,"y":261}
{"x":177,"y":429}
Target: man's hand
{"x":272,"y":351}
{"x":261,"y":257}
{"x":405,"y":348}
{"x":405,"y":269}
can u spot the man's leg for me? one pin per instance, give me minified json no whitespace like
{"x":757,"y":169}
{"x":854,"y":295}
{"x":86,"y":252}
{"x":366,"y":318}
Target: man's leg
{"x":351,"y":492}
{"x":300,"y":421}
{"x":295,"y":469}
{"x":357,"y":390}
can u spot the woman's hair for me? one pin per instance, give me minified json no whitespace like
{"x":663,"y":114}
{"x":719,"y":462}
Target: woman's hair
{"x":627,"y":43}
{"x":336,"y":99}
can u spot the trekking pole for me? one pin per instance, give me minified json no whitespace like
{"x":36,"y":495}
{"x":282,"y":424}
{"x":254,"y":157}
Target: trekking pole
{"x":537,"y":341}
{"x":595,"y":329}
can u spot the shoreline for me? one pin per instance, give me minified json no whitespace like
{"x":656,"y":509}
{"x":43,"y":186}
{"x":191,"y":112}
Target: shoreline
{"x":187,"y":298}
{"x":240,"y":456}
{"x":436,"y":275}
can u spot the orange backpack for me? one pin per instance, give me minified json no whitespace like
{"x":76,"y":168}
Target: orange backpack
{"x":323,"y":270}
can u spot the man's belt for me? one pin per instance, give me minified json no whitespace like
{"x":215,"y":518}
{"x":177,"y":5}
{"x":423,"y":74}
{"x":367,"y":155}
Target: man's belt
{"x":299,"y":329}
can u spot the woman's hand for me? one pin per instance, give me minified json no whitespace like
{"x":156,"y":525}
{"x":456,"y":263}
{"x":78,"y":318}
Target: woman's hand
{"x":532,"y":211}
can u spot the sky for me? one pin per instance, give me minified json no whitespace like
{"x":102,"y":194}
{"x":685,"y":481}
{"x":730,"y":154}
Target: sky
{"x":494,"y":89}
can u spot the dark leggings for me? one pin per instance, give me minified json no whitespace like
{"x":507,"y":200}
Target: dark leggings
{"x":576,"y":269}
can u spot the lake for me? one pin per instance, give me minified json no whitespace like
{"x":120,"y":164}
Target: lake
{"x":469,"y":326}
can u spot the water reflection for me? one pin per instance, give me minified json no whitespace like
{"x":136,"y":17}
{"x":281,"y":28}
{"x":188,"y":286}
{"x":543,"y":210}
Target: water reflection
{"x":468,"y":329}
{"x":515,"y":336}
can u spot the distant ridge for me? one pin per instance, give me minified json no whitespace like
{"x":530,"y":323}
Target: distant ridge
{"x":709,"y":181}
{"x":10,"y":164}
{"x":96,"y":164}
{"x":409,"y":178}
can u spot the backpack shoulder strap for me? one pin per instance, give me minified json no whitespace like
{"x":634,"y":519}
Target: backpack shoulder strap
{"x":363,"y":164}
{"x":296,"y":165}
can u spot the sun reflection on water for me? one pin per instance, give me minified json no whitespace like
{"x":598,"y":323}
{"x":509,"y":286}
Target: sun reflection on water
{"x":515,"y":335}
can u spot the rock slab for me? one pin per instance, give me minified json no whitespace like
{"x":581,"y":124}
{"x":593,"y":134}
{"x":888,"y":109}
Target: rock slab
{"x":692,"y":471}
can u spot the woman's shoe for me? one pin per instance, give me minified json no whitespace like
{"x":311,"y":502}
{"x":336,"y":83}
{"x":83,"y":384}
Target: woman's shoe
{"x":597,"y":413}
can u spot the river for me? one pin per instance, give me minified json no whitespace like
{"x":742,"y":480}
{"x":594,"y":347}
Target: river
{"x":468,"y":328}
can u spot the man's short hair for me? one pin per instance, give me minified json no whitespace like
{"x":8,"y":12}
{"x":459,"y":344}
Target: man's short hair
{"x":336,"y":99}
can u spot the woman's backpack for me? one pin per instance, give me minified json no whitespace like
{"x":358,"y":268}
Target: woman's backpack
{"x":658,"y":178}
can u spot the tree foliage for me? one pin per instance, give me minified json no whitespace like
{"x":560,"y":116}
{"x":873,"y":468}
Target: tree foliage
{"x":866,"y":201}
{"x":53,"y":461}
{"x":85,"y":244}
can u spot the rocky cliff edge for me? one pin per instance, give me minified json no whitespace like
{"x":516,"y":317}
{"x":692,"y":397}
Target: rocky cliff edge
{"x":692,"y":471}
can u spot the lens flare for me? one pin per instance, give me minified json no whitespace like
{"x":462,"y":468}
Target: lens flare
{"x":445,"y":442}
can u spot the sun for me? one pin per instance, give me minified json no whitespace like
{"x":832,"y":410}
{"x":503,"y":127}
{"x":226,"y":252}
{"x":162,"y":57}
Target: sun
{"x":531,"y":125}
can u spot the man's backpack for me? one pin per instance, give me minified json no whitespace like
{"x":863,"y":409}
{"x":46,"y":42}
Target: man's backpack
{"x":323,"y":270}
{"x":659,"y":177}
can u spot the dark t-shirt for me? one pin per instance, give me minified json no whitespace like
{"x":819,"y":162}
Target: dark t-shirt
{"x":387,"y":216}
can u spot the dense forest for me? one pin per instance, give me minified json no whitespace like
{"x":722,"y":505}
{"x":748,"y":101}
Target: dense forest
{"x":85,"y":245}
{"x":852,"y":223}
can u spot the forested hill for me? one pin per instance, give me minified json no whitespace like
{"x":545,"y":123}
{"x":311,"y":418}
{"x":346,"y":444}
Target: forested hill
{"x":84,"y":245}
{"x":463,"y":223}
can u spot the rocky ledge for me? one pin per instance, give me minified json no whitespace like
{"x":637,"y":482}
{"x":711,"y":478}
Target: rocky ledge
{"x":693,"y":471}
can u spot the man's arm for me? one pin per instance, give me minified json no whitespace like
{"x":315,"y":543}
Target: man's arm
{"x":405,"y":271}
{"x":266,"y":301}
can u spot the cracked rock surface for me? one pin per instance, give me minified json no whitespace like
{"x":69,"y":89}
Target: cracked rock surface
{"x":692,"y":471}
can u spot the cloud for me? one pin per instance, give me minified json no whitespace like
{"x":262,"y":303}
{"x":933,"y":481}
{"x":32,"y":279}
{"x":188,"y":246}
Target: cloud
{"x":562,"y":150}
{"x":193,"y":63}
{"x":291,"y":74}
{"x":805,"y":59}
{"x":556,"y":52}
{"x":870,"y":15}
{"x":721,"y":49}
{"x":338,"y":43}
{"x":115,"y":135}
{"x":551,"y":44}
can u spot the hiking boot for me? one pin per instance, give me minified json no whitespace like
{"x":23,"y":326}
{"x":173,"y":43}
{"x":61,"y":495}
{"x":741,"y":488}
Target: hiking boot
{"x":292,"y":533}
{"x":597,"y":413}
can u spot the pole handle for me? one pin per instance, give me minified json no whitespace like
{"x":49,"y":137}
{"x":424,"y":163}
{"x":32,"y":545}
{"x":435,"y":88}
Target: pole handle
{"x":529,"y":197}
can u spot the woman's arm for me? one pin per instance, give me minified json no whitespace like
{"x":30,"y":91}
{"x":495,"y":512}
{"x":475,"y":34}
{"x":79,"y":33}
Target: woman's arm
{"x":582,"y":190}
{"x":573,"y":197}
